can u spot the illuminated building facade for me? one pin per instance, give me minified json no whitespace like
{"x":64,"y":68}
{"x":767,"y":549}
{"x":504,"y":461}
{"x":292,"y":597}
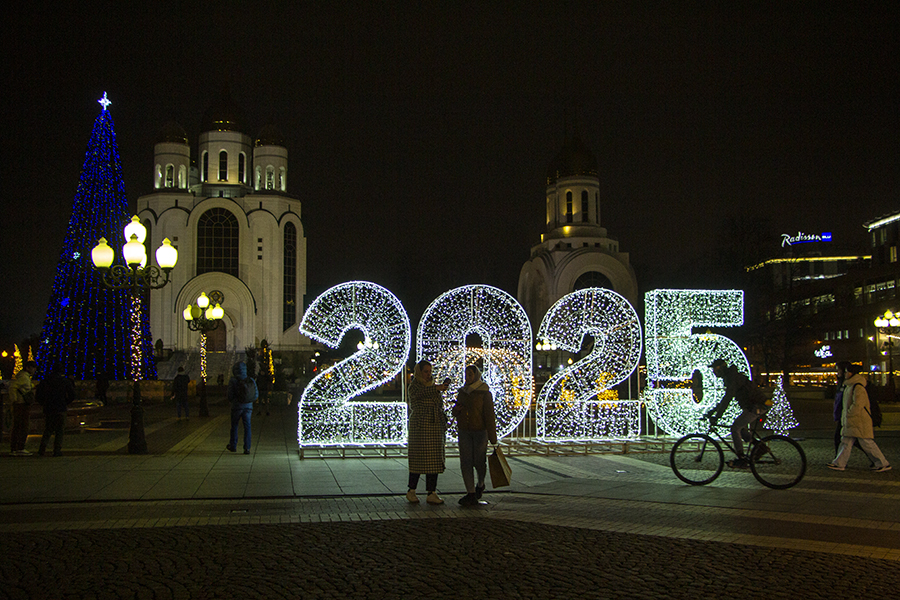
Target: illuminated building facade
{"x":237,"y":230}
{"x":576,"y":252}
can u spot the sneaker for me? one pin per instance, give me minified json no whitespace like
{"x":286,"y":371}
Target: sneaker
{"x":21,"y":453}
{"x":411,"y":497}
{"x":739,"y":463}
{"x":433,"y":498}
{"x":468,"y":500}
{"x":246,"y":450}
{"x":882,"y":469}
{"x":835,"y":467}
{"x":230,"y":448}
{"x":479,"y":491}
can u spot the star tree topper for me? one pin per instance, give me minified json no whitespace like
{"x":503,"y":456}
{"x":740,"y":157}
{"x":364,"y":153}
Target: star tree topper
{"x":104,"y":101}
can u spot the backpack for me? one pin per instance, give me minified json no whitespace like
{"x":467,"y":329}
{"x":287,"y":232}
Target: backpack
{"x":874,"y":410}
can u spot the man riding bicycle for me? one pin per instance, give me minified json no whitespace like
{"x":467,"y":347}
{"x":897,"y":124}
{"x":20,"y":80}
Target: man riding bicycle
{"x":750,"y":398}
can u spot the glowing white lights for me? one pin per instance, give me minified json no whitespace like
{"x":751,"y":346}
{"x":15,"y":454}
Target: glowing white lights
{"x":327,"y":416}
{"x":673,"y":353}
{"x":577,"y":403}
{"x":104,"y":101}
{"x":505,"y":332}
{"x":780,"y":417}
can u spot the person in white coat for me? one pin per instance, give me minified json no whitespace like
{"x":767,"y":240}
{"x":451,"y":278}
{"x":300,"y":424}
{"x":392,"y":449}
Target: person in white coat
{"x":856,"y":424}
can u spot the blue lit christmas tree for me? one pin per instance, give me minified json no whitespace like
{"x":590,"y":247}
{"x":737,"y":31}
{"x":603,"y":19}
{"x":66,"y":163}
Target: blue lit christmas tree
{"x":89,"y":329}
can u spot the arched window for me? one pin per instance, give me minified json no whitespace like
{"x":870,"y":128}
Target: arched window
{"x":290,"y":276}
{"x":170,"y":176}
{"x":242,"y":163}
{"x":597,"y":202}
{"x":258,"y":178}
{"x":223,"y":166}
{"x":270,"y":178}
{"x":592,"y":279}
{"x":584,"y":206}
{"x":217,"y":242}
{"x":569,"y":207}
{"x":281,"y":182}
{"x":204,"y":174}
{"x":158,"y":180}
{"x":182,"y":177}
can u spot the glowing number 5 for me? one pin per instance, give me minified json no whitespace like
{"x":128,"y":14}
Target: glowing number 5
{"x":326,"y":414}
{"x":673,"y":353}
{"x":573,"y":404}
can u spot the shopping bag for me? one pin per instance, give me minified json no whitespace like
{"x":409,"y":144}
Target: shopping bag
{"x":500,"y":471}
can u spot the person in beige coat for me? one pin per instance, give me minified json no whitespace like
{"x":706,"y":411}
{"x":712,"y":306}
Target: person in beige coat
{"x":856,"y":424}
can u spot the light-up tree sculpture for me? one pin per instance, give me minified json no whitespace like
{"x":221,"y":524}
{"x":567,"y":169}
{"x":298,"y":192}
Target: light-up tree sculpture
{"x":89,"y":327}
{"x":204,"y":316}
{"x":505,"y":332}
{"x":780,"y":417}
{"x":673,"y":353}
{"x":577,"y":403}
{"x":328,"y":415}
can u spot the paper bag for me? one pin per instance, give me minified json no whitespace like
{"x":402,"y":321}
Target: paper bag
{"x":500,"y":471}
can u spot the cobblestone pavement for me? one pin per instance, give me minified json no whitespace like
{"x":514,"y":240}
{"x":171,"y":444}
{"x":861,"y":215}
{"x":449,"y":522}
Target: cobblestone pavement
{"x":594,"y":526}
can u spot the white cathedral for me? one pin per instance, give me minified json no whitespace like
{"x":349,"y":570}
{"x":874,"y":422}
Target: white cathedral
{"x":576,"y":252}
{"x":237,"y":231}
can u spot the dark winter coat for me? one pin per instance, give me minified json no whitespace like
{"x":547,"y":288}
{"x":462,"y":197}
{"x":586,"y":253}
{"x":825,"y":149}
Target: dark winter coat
{"x":180,"y":386}
{"x":474,"y":410}
{"x":739,"y":387}
{"x":55,"y":393}
{"x":426,"y":429}
{"x":242,"y":390}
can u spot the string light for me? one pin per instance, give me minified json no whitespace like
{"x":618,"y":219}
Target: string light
{"x":327,"y":414}
{"x":673,"y":353}
{"x":505,"y":332}
{"x":577,"y":402}
{"x":780,"y":417}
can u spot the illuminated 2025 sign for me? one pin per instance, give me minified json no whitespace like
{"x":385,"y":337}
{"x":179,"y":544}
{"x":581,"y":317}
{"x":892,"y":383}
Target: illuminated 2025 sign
{"x":573,"y":404}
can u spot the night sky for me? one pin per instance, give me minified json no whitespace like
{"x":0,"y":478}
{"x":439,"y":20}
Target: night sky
{"x":419,"y":138}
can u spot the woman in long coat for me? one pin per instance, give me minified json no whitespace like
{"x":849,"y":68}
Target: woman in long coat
{"x":427,"y":430}
{"x":856,"y":422}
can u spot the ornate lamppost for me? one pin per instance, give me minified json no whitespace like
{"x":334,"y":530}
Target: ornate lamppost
{"x":204,"y":316}
{"x":135,"y":275}
{"x":888,"y":325}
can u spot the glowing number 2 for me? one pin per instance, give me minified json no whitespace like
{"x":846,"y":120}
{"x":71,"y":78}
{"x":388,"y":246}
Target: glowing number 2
{"x":572,"y":404}
{"x":326,"y":414}
{"x":505,"y":332}
{"x":673,"y":353}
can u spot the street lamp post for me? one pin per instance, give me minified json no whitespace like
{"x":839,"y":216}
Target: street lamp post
{"x":204,"y":316}
{"x":135,"y":275}
{"x":888,"y":324}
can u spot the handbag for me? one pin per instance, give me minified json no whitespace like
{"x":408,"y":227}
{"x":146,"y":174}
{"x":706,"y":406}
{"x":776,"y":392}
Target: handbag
{"x":500,"y":471}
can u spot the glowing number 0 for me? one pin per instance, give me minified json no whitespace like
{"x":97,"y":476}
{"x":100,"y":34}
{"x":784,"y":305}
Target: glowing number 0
{"x":571,"y":405}
{"x":673,"y":353}
{"x":326,"y":415}
{"x":505,"y":332}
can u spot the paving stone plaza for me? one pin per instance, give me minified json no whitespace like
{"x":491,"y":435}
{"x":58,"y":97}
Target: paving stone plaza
{"x":191,"y":520}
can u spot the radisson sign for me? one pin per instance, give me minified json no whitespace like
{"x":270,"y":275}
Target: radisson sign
{"x":803,"y":238}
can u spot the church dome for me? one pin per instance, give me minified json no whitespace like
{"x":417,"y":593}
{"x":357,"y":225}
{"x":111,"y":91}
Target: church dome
{"x":223,"y":115}
{"x":172,"y":133}
{"x":575,"y":158}
{"x":269,"y":136}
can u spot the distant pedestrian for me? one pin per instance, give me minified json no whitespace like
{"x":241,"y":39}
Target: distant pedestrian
{"x":474,"y":412}
{"x":21,"y":396}
{"x":102,"y":386}
{"x":55,"y":393}
{"x":242,"y":392}
{"x":180,"y":392}
{"x":856,"y":424}
{"x":427,"y":430}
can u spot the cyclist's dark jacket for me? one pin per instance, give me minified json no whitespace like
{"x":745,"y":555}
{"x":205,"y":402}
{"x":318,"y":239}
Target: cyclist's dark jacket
{"x":739,"y":387}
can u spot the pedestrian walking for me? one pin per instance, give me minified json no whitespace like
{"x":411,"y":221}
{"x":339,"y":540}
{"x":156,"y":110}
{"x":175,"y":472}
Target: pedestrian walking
{"x":474,"y":412}
{"x":856,"y":424}
{"x":21,"y":397}
{"x":180,"y":392}
{"x":54,"y":394}
{"x":427,"y":431}
{"x":242,"y":392}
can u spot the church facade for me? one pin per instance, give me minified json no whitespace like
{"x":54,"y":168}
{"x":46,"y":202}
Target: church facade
{"x":237,"y":230}
{"x":576,"y":252}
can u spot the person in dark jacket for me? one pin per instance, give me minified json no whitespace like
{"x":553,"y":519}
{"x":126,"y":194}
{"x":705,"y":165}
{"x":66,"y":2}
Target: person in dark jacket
{"x":55,"y":394}
{"x":750,"y":399}
{"x":242,"y":392}
{"x":474,"y":412}
{"x":180,"y":392}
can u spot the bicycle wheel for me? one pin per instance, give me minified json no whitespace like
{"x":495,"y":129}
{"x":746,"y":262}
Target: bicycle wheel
{"x":697,"y":459}
{"x":778,"y":462}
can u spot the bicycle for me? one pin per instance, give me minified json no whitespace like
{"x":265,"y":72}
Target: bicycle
{"x":776,"y":461}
